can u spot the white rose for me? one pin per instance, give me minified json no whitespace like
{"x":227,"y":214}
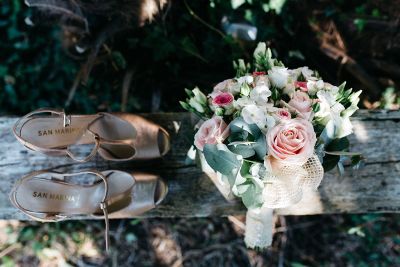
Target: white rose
{"x":278,"y":76}
{"x":315,"y":86}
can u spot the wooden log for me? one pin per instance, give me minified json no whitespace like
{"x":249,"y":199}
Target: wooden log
{"x":375,"y":188}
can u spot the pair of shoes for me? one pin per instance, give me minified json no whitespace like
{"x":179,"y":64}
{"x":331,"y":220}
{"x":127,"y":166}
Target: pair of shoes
{"x":51,"y":196}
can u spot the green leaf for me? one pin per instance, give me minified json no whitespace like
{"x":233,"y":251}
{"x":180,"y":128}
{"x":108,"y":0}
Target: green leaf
{"x":189,"y":92}
{"x":252,"y":197}
{"x":239,"y":125}
{"x":260,"y":146}
{"x":338,"y":144}
{"x":185,"y":105}
{"x":330,"y":162}
{"x":7,"y":261}
{"x":245,"y":150}
{"x":3,"y":71}
{"x":221,"y":159}
{"x":119,"y":59}
{"x":277,"y":5}
{"x":237,"y":3}
{"x":356,"y":231}
{"x":360,"y":24}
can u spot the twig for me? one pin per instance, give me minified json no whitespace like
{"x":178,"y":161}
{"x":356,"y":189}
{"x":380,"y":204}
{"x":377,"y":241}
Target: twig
{"x":281,"y":261}
{"x":9,"y":249}
{"x":237,"y":222}
{"x":74,"y":87}
{"x":59,"y":9}
{"x":191,"y":12}
{"x":126,"y":84}
{"x":164,"y":16}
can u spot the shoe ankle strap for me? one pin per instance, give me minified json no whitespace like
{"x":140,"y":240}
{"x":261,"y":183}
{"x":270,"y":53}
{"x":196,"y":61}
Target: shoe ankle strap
{"x":17,"y":128}
{"x":53,"y":217}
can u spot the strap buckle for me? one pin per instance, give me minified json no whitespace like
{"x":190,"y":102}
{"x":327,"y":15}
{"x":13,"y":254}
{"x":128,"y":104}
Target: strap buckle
{"x":66,"y":119}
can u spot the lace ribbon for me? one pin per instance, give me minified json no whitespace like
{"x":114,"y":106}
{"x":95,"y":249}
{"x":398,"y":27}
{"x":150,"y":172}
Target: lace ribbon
{"x":284,"y":187}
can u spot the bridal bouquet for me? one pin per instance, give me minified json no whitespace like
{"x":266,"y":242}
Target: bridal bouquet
{"x":269,"y":134}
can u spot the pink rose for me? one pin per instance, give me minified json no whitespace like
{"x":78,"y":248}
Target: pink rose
{"x":222,"y":99}
{"x":212,"y":131}
{"x":301,"y":85}
{"x":292,"y":141}
{"x":301,"y":102}
{"x":224,"y":85}
{"x":283,"y":114}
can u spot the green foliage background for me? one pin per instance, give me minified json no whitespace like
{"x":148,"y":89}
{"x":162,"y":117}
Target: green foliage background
{"x":174,"y":52}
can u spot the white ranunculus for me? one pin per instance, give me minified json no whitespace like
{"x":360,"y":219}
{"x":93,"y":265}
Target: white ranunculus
{"x":271,"y":121}
{"x":278,"y":76}
{"x":254,"y":114}
{"x":260,"y":94}
{"x":243,"y":102}
{"x":247,"y":78}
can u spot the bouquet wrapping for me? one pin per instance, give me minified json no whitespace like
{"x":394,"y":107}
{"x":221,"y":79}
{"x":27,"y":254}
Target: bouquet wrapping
{"x":267,"y":136}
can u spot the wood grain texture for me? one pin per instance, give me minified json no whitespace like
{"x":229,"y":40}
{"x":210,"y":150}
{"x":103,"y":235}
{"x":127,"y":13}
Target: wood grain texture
{"x":375,"y":188}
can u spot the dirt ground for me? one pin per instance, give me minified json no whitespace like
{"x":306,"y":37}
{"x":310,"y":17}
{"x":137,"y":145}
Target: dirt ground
{"x":324,"y":240}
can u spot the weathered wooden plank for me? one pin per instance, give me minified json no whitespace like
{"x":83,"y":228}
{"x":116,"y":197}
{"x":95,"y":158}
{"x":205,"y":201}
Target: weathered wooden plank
{"x":375,"y":188}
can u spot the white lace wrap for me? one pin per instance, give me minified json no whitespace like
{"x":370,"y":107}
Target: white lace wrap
{"x":283,"y":187}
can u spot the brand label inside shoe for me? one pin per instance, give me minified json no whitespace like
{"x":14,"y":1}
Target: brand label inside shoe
{"x":60,"y":197}
{"x":66,"y":130}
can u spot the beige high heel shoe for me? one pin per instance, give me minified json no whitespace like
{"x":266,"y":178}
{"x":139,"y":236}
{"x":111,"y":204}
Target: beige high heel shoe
{"x":114,"y":136}
{"x":47,"y":197}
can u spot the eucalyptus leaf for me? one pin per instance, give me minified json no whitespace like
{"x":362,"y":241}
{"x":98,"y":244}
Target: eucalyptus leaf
{"x":260,"y":146}
{"x":252,"y":197}
{"x":222,"y":160}
{"x":246,"y":151}
{"x":241,"y":189}
{"x":239,"y":125}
